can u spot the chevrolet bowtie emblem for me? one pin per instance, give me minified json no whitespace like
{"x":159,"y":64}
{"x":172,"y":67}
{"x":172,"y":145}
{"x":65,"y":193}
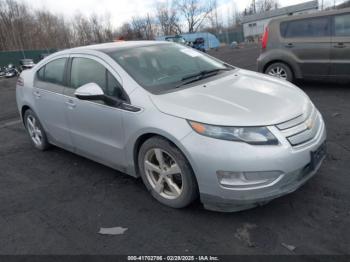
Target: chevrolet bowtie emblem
{"x":309,"y":124}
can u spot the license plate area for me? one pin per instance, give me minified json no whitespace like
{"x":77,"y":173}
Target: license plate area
{"x":318,"y":155}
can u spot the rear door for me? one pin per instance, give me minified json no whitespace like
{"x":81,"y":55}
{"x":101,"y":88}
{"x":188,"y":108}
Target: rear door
{"x":340,"y":50}
{"x":49,"y":83}
{"x":309,"y":40}
{"x":96,"y":128}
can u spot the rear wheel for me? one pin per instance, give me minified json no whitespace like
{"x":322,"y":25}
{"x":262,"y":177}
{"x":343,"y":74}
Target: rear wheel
{"x":280,"y":70}
{"x":35,"y":130}
{"x":166,"y":173}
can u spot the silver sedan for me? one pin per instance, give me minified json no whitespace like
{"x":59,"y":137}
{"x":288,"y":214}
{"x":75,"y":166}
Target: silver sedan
{"x":190,"y":125}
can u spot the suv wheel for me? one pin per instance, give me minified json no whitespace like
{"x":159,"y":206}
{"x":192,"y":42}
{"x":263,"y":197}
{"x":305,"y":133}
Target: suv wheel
{"x":35,"y":130}
{"x":280,"y":70}
{"x":166,"y":173}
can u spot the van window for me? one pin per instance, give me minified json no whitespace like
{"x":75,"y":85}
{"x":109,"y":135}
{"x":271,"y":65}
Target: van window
{"x":342,"y":25}
{"x":311,"y":27}
{"x":54,"y":71}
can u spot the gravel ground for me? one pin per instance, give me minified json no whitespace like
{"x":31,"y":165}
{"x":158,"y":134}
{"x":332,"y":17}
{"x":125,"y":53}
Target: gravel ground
{"x":55,"y":202}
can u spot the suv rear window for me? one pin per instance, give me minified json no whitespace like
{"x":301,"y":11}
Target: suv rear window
{"x":310,"y":27}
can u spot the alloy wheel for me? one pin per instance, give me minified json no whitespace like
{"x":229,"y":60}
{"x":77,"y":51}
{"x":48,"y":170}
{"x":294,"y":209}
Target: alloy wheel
{"x":278,"y":72}
{"x":34,"y":130}
{"x":163,"y":173}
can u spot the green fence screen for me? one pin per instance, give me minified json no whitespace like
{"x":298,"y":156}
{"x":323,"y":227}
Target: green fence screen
{"x":13,"y":57}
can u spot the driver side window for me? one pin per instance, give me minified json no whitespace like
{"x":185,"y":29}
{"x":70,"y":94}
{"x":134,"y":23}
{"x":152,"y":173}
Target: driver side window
{"x":85,"y":70}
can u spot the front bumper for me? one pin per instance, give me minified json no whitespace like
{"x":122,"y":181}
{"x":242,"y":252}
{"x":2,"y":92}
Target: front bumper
{"x":208,"y":156}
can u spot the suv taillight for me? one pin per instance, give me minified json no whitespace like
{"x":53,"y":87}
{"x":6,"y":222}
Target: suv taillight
{"x":265,"y":38}
{"x":20,"y":81}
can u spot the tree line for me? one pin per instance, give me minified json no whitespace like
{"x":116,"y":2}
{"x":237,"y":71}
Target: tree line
{"x":22,"y":27}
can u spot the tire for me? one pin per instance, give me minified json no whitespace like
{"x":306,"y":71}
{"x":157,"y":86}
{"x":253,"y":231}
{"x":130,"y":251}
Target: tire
{"x":33,"y":127}
{"x":167,"y":194}
{"x":280,"y":70}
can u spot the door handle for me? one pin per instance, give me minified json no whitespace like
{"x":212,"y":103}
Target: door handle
{"x":290,"y":45}
{"x":37,"y":94}
{"x":70,"y":103}
{"x":340,"y":45}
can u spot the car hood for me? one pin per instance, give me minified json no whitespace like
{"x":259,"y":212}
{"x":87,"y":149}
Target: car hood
{"x":240,"y":98}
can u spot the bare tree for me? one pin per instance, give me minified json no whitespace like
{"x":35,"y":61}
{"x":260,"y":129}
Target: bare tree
{"x":266,"y":5}
{"x":143,"y":27}
{"x":24,"y":28}
{"x":213,"y":18}
{"x":195,"y":12}
{"x":260,"y":6}
{"x":125,"y":32}
{"x":167,"y":18}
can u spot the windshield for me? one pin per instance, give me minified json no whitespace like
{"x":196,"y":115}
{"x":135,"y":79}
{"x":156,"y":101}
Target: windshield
{"x":164,"y":67}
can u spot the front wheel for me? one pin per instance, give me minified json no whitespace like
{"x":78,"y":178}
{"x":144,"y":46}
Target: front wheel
{"x":280,"y":70}
{"x":166,"y":173}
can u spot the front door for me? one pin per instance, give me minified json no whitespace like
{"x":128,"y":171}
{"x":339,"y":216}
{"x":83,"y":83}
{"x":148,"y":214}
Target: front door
{"x":309,"y":41}
{"x":96,"y":128}
{"x":340,"y":51}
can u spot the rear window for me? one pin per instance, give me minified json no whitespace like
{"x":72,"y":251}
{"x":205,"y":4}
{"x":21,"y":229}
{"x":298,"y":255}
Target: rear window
{"x":311,"y":27}
{"x":53,"y":72}
{"x":41,"y":74}
{"x":342,"y":25}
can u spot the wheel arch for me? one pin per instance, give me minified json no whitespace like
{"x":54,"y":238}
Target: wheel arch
{"x":295,"y":71}
{"x":144,"y":137}
{"x":23,"y":110}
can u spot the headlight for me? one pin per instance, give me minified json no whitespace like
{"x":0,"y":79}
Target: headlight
{"x":250,"y":135}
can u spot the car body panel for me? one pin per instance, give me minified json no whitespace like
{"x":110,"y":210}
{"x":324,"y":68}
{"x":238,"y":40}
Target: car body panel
{"x":111,"y":135}
{"x":308,"y":57}
{"x":340,"y":57}
{"x":96,"y":129}
{"x":49,"y":101}
{"x":340,"y":52}
{"x":237,"y":99}
{"x":312,"y":55}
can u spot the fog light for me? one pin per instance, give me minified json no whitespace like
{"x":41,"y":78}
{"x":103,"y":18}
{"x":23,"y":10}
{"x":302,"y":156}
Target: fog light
{"x":247,"y":179}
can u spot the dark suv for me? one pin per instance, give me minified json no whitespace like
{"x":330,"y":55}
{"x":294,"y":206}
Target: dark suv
{"x":307,"y":46}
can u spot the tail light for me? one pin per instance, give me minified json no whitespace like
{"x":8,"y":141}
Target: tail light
{"x":265,"y":38}
{"x":20,"y":81}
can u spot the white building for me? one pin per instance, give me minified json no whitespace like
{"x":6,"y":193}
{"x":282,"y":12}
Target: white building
{"x":254,"y":25}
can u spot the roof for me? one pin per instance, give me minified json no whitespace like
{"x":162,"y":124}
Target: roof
{"x":282,"y":11}
{"x":117,"y":45}
{"x":316,"y":14}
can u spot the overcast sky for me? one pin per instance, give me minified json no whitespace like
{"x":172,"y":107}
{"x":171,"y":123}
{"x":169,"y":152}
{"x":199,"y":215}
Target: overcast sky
{"x":122,"y":10}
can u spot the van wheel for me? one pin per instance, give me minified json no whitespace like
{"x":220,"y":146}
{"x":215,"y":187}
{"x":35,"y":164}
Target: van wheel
{"x":166,"y":173}
{"x":280,"y":70}
{"x":35,"y":130}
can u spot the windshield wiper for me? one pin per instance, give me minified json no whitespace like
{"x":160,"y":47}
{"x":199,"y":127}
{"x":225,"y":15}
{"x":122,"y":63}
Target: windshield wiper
{"x":199,"y":76}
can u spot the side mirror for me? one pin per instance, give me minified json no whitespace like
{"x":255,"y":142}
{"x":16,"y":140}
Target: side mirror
{"x":90,"y":91}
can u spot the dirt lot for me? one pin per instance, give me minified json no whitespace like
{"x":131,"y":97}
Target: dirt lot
{"x":55,"y":202}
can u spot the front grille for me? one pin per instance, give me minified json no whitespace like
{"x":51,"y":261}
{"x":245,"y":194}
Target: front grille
{"x":301,"y":129}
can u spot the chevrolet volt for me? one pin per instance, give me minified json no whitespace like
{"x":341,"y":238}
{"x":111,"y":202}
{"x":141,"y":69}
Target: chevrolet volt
{"x":188,"y":124}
